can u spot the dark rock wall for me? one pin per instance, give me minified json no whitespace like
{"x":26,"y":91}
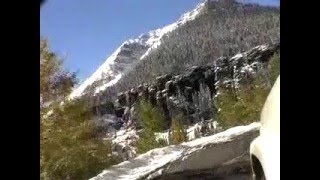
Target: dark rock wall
{"x":173,"y":94}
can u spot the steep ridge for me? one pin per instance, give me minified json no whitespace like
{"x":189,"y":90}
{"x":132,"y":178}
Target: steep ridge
{"x":124,"y":66}
{"x":129,"y":53}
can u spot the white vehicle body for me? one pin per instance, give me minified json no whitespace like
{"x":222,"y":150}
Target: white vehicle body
{"x":265,"y":149}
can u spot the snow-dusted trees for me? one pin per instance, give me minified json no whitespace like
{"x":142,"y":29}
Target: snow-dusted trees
{"x":214,"y":33}
{"x":204,"y":103}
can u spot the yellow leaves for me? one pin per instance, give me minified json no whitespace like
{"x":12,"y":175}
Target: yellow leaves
{"x":179,"y":134}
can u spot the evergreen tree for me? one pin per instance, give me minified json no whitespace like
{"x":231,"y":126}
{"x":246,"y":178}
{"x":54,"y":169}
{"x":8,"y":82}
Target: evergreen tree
{"x":152,"y":121}
{"x":69,"y":148}
{"x":55,"y":83}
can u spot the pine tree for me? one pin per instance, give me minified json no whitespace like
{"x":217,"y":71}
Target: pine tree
{"x":152,"y":121}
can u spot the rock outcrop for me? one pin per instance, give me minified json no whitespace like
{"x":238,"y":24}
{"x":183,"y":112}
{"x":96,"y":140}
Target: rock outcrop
{"x":176,"y":94}
{"x":224,"y":154}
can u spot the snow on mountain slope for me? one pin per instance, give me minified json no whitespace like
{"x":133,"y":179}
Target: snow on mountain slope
{"x":131,"y":51}
{"x":111,"y":70}
{"x":155,"y":36}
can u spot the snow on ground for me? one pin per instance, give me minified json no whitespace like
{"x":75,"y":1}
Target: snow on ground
{"x":124,"y":140}
{"x":222,"y":136}
{"x":262,"y":47}
{"x":247,"y":69}
{"x":163,"y":136}
{"x":193,"y":131}
{"x":123,"y":136}
{"x":153,"y":160}
{"x":142,"y":165}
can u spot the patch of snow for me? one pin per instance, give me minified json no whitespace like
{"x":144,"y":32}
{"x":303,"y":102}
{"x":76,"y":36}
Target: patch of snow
{"x":110,"y":83}
{"x":123,"y":135}
{"x":263,"y":47}
{"x":236,"y":57}
{"x":142,"y":165}
{"x":164,"y":136}
{"x":48,"y":114}
{"x":155,"y":174}
{"x":228,"y":81}
{"x":125,"y":138}
{"x":193,"y":132}
{"x":247,"y":68}
{"x":222,"y":136}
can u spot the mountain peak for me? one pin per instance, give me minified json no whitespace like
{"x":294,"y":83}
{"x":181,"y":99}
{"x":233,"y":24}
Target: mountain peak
{"x":128,"y":53}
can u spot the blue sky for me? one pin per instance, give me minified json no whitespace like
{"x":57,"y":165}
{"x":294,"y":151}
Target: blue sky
{"x":86,"y":32}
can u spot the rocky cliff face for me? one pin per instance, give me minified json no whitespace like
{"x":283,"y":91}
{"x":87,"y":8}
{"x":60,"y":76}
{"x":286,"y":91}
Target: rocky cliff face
{"x":185,"y":93}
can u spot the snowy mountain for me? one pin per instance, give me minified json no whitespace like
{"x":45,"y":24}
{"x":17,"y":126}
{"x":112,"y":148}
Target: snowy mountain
{"x":131,"y":51}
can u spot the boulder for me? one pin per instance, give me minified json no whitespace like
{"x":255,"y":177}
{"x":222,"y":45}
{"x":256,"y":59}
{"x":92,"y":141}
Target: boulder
{"x":170,"y":87}
{"x":152,"y":95}
{"x":119,"y":112}
{"x":221,"y":154}
{"x":161,"y":81}
{"x":122,"y":99}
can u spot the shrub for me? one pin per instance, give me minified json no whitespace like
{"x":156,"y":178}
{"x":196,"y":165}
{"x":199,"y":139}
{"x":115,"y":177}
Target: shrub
{"x":179,"y":134}
{"x":69,"y":148}
{"x":242,"y":109}
{"x":245,"y":105}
